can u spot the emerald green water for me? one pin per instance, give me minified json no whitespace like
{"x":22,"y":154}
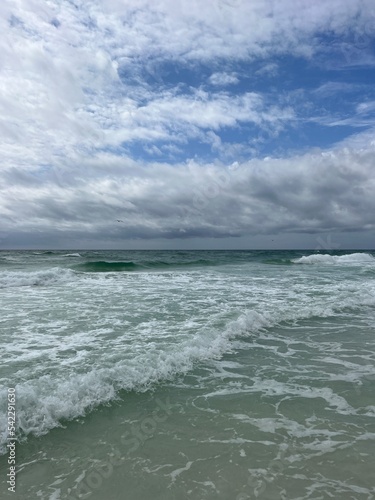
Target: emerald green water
{"x":200,"y":375}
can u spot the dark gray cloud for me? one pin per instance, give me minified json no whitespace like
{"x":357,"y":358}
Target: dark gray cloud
{"x":315,"y":193}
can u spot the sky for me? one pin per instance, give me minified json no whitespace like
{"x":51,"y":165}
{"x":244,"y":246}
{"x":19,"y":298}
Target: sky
{"x":187,"y":124}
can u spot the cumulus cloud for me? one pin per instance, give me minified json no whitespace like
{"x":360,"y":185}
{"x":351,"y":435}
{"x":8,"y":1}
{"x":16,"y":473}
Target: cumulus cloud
{"x":87,"y":88}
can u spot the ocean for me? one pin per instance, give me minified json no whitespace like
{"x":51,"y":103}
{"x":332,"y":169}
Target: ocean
{"x":226,"y":375}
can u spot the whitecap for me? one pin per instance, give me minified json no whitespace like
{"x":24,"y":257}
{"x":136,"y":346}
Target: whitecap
{"x":51,"y":276}
{"x":353,"y":258}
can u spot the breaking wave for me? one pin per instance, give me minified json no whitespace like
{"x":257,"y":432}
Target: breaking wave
{"x":46,"y":402}
{"x":51,"y":276}
{"x":351,"y":259}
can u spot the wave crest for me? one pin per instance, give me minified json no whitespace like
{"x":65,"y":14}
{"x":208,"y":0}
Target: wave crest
{"x":9,"y":279}
{"x":107,"y":266}
{"x":44,"y":403}
{"x":351,"y":259}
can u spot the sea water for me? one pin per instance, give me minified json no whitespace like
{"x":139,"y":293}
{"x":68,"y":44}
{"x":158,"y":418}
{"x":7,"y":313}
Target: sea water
{"x":189,"y":374}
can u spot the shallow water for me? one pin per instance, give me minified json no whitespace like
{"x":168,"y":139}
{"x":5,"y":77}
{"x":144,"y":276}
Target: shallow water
{"x":223,"y":375}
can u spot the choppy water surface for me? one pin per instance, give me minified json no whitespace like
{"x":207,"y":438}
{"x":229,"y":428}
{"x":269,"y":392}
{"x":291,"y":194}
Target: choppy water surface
{"x":200,"y":375}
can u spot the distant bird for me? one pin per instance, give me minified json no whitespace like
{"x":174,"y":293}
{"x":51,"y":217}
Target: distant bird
{"x":119,"y":220}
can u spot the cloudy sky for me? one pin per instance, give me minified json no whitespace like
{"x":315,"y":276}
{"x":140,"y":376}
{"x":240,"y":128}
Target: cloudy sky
{"x":187,"y":124}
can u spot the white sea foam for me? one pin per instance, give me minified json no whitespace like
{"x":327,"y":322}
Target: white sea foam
{"x":51,"y":276}
{"x":352,"y":259}
{"x":44,"y":402}
{"x":153,"y":349}
{"x":72,"y":255}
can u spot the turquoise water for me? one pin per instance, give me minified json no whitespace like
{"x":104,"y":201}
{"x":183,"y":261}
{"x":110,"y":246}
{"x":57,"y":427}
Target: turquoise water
{"x":197,"y":375}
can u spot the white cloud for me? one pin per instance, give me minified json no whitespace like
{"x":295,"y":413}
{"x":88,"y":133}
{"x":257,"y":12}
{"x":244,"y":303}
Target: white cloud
{"x":61,"y":90}
{"x":77,"y":80}
{"x":363,"y":116}
{"x":269,"y":69}
{"x":223,"y":79}
{"x":365,"y":108}
{"x":329,"y":89}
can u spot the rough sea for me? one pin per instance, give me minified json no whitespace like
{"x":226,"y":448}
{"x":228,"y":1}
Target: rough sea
{"x":171,"y":375}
